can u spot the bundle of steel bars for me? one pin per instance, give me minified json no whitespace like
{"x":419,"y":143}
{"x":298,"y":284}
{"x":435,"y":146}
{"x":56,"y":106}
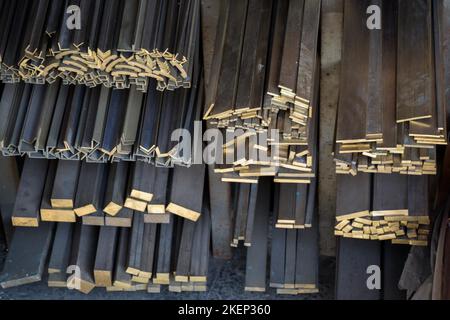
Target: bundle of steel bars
{"x":98,"y":124}
{"x":82,"y":257}
{"x":106,"y":194}
{"x":264,"y":90}
{"x":117,"y":43}
{"x":268,"y":132}
{"x":294,"y":261}
{"x":391,"y":116}
{"x":383,"y":207}
{"x":296,"y":255}
{"x":294,"y":206}
{"x":392,"y":106}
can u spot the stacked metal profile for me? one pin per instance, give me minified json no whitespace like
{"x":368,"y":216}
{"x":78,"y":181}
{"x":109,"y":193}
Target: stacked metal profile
{"x":271,"y":134}
{"x":392,"y":105}
{"x":139,"y":222}
{"x":126,"y":227}
{"x":263,"y":98}
{"x":392,"y":114}
{"x":115,"y":43}
{"x":383,"y":207}
{"x":83,"y":257}
{"x":293,"y":248}
{"x":56,"y":121}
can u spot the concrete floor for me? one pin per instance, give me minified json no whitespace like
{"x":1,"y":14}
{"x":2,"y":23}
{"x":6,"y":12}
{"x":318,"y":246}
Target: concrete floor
{"x":226,"y":281}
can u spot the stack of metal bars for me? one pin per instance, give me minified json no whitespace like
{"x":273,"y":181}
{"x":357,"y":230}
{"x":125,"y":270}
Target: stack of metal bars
{"x":392,"y":106}
{"x":115,"y":43}
{"x":253,"y":57}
